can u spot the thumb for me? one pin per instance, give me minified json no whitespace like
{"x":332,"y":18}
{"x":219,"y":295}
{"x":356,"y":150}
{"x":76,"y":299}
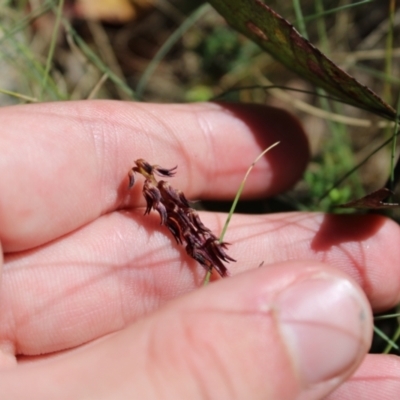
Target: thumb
{"x":287,"y":331}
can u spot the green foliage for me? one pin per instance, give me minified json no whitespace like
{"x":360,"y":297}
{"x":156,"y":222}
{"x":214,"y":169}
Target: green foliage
{"x":220,"y":51}
{"x":199,"y":93}
{"x":318,"y":183}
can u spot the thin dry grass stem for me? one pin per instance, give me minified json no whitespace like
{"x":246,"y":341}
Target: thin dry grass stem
{"x":182,"y":221}
{"x":236,"y":200}
{"x":19,"y":96}
{"x":93,"y":93}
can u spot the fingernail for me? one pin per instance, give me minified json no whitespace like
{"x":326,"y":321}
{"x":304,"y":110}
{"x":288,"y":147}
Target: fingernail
{"x":326,"y":323}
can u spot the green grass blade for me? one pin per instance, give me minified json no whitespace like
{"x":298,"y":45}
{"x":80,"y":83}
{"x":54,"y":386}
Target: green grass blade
{"x":18,"y":96}
{"x":335,"y":10}
{"x":386,"y":338}
{"x":95,"y":60}
{"x":52,"y":47}
{"x":28,"y":19}
{"x":393,"y":150}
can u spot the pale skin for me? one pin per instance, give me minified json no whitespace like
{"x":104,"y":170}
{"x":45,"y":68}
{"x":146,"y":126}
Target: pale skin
{"x":98,"y":301}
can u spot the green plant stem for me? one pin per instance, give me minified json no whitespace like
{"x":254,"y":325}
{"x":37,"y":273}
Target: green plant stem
{"x":355,"y":168}
{"x":24,"y":22}
{"x":335,"y":10}
{"x":391,"y":342}
{"x":386,"y":316}
{"x":321,"y":26}
{"x":52,"y":47}
{"x":18,"y":95}
{"x":387,"y":96}
{"x":393,"y":150}
{"x":236,"y":200}
{"x":92,"y":57}
{"x":31,"y":67}
{"x":301,"y":25}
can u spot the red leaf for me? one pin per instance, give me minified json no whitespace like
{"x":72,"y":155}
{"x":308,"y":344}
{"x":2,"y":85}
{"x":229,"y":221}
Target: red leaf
{"x":373,"y":200}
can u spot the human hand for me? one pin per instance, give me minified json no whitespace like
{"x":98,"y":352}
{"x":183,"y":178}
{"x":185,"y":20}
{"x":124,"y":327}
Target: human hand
{"x":97,"y":301}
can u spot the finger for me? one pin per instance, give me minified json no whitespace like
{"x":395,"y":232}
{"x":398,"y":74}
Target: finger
{"x":283,"y":332}
{"x":363,"y":246}
{"x":65,"y":164}
{"x":124,"y":265}
{"x":377,"y":377}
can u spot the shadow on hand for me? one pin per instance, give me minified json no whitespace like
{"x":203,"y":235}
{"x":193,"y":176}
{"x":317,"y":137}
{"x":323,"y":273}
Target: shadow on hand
{"x":338,"y":229}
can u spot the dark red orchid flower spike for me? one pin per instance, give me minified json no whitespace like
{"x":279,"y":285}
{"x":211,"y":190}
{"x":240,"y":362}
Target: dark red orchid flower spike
{"x":182,"y":221}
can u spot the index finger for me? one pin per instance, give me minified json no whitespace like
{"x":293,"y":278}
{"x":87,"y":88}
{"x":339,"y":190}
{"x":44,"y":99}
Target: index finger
{"x":65,"y":164}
